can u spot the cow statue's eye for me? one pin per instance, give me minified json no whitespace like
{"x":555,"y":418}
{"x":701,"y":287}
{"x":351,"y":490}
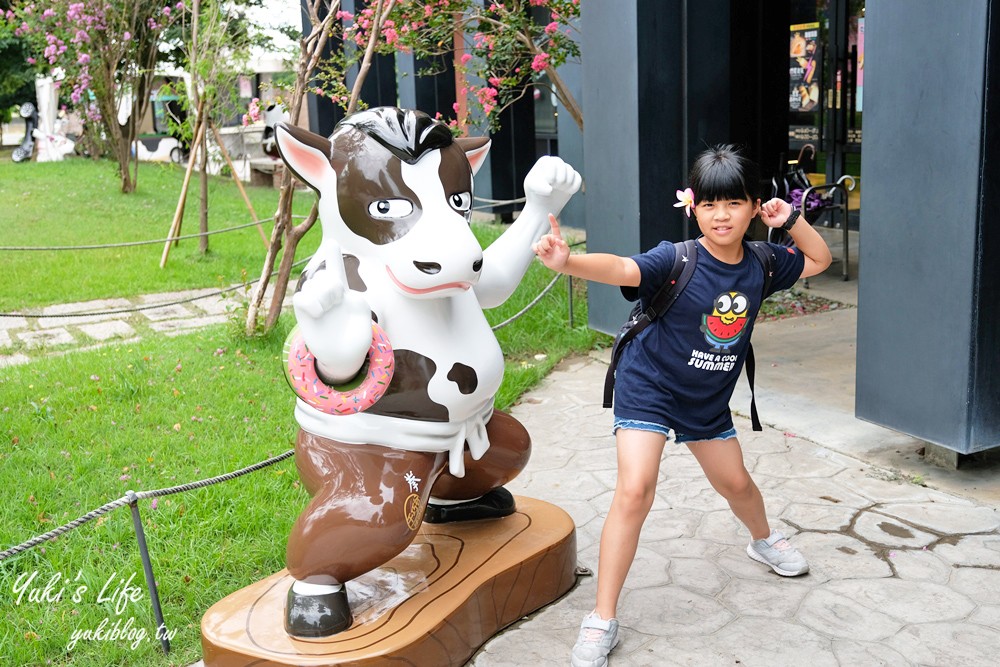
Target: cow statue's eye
{"x":390,"y":208}
{"x":461,"y":201}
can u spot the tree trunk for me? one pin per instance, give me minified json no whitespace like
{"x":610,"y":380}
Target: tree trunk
{"x":203,"y":208}
{"x":566,"y":97}
{"x":123,"y":154}
{"x":282,"y":215}
{"x":311,"y":50}
{"x":293,"y":234}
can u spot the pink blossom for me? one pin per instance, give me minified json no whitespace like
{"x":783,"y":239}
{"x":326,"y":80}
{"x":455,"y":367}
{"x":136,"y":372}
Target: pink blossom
{"x":540,"y":62}
{"x":537,"y":3}
{"x":153,"y":504}
{"x":166,"y":11}
{"x":488,"y":108}
{"x":179,"y":5}
{"x":253,"y":112}
{"x":344,"y":16}
{"x":495,"y":81}
{"x":83,"y":59}
{"x":246,"y":120}
{"x":31,"y":61}
{"x":127,"y":36}
{"x":551,"y":28}
{"x":455,"y":107}
{"x":428,"y":10}
{"x":48,"y":13}
{"x":466,"y":57}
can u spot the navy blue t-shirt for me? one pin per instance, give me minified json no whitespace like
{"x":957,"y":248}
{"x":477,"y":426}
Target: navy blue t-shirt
{"x":681,"y":370}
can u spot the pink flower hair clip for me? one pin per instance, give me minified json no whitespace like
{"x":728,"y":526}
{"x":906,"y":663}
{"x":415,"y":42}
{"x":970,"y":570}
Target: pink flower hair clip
{"x":685,"y":198}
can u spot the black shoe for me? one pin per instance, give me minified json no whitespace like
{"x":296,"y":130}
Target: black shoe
{"x":495,"y":504}
{"x":315,"y":616}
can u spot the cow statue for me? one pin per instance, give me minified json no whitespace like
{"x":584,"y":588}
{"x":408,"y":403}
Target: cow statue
{"x":393,"y":362}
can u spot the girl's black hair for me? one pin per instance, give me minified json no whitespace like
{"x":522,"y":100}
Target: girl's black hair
{"x":723,"y":172}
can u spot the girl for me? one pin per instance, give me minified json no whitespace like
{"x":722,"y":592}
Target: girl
{"x":658,"y":389}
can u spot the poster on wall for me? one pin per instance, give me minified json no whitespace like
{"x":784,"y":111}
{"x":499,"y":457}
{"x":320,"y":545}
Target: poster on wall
{"x":804,"y":80}
{"x":861,"y":61}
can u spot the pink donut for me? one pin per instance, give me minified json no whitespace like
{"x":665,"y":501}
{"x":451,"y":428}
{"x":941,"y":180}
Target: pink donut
{"x":355,"y":395}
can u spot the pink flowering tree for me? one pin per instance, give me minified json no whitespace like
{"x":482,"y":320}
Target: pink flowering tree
{"x":311,"y":75}
{"x":102,"y":54}
{"x":500,"y":48}
{"x":504,"y":46}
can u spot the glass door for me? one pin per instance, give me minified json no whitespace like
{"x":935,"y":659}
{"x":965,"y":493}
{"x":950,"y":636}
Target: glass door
{"x":826,"y":91}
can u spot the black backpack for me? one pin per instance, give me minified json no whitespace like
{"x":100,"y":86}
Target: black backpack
{"x":685,"y":260}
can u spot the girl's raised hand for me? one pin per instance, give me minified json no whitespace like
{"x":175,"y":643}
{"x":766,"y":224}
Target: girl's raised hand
{"x":775,"y":212}
{"x":551,"y":249}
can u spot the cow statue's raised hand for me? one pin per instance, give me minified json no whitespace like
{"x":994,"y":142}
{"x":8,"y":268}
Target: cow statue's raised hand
{"x":393,"y":361}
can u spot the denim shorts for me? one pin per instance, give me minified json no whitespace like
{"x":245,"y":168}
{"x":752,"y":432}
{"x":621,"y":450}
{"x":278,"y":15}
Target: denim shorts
{"x":637,"y":425}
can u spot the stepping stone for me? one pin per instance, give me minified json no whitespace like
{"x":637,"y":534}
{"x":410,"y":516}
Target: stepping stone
{"x":106,"y":330}
{"x":46,"y":337}
{"x":172,"y":312}
{"x":13,"y":323}
{"x":179,"y":326}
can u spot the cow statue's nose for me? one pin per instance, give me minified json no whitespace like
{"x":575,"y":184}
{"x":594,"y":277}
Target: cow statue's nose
{"x":429,"y":268}
{"x":477,"y":265}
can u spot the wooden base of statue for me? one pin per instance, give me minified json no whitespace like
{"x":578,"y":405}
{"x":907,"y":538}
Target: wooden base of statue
{"x":436,"y":603}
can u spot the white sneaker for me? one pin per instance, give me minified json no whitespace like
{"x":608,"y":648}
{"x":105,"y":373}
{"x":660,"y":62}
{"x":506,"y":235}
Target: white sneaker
{"x":597,"y":638}
{"x":775,"y":552}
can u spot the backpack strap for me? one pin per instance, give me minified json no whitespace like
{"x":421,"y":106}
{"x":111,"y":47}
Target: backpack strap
{"x":765,"y":256}
{"x":685,"y":259}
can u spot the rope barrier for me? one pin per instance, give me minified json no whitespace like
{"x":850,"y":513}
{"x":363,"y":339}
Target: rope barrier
{"x":152,"y":306}
{"x":127,"y":244}
{"x":516,"y":316}
{"x":129,"y":497}
{"x":502,"y":202}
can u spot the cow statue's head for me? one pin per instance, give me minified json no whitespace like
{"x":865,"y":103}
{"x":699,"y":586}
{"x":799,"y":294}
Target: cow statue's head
{"x":395,"y":187}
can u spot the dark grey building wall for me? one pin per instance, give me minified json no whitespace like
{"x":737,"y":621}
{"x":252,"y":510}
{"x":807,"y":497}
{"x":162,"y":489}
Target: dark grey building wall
{"x":571,"y":144}
{"x":611,"y":145}
{"x":928,"y":319}
{"x":665,"y":79}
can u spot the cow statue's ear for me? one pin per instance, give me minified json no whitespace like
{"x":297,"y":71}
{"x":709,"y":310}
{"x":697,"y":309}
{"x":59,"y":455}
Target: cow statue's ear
{"x":475,"y":149}
{"x":306,"y":154}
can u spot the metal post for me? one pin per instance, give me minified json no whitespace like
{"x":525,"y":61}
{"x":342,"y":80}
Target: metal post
{"x":147,"y":568}
{"x":569,"y":289}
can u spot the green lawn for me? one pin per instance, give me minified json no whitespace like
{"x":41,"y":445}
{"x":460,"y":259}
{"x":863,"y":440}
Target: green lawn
{"x":78,"y":430}
{"x":77,"y":202}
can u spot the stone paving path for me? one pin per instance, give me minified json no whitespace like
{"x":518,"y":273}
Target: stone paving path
{"x":22,"y":338}
{"x":900,"y":574}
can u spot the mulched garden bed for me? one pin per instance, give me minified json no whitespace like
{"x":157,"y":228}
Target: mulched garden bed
{"x":794,"y":302}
